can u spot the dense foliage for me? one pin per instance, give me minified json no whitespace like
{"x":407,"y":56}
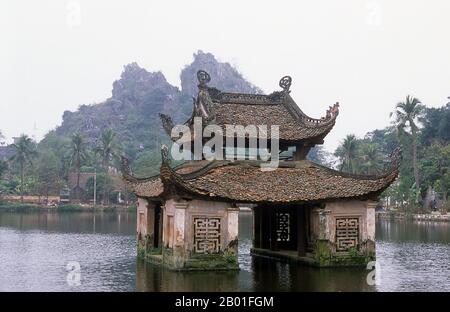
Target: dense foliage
{"x":421,"y":132}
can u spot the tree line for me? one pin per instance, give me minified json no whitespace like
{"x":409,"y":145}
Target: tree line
{"x":43,"y":170}
{"x":424,"y":137}
{"x":422,"y":133}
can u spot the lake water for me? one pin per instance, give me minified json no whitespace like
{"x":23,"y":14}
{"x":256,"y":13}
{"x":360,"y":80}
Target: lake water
{"x":36,"y":248}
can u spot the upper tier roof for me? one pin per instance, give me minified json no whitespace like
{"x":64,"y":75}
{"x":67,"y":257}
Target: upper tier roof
{"x":278,"y":108}
{"x":244,"y":181}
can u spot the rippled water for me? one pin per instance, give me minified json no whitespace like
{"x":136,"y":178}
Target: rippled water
{"x":36,"y":247}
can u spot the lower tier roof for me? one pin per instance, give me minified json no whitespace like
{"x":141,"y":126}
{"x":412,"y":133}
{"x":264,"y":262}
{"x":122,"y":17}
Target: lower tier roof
{"x":244,"y":181}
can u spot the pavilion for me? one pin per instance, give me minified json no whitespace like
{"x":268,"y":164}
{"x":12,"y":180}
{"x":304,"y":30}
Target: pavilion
{"x":187,"y":216}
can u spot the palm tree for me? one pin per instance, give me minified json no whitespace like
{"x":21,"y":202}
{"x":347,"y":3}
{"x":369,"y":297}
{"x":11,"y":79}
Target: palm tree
{"x":348,"y":153}
{"x":25,"y":152}
{"x":370,"y":158}
{"x":107,"y":149}
{"x":406,"y":114}
{"x":78,"y":154}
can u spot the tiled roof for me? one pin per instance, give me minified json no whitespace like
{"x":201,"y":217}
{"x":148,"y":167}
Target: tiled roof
{"x":153,"y":186}
{"x":278,"y":108}
{"x":244,"y":181}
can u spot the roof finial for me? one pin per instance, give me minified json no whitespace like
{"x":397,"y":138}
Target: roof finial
{"x":165,"y":154}
{"x":203,"y":78}
{"x":393,"y":161}
{"x":396,"y":157}
{"x":285,"y":83}
{"x":125,"y":168}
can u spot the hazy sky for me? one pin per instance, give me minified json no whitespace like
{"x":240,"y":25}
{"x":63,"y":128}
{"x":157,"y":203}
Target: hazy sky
{"x":368,"y":55}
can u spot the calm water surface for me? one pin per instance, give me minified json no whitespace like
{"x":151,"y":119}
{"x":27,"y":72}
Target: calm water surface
{"x":36,"y":247}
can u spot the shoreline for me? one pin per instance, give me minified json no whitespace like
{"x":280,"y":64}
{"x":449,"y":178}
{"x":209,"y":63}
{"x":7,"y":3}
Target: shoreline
{"x":31,"y":207}
{"x":396,"y":216}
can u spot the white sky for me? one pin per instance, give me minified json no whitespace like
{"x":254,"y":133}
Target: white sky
{"x":368,"y":55}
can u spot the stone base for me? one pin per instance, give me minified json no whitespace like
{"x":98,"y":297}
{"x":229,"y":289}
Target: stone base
{"x":283,"y":255}
{"x":176,"y":261}
{"x":322,"y":258}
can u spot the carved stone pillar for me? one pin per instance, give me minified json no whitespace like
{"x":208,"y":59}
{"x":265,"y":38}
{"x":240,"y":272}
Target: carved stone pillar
{"x":324,"y":224}
{"x":179,"y":223}
{"x":233,"y":229}
{"x":370,"y":229}
{"x":179,"y":241}
{"x":370,"y":217}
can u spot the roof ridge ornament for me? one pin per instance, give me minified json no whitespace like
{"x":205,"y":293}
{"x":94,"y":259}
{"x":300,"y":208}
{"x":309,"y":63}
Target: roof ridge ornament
{"x":395,"y":159}
{"x":203,"y":78}
{"x":285,"y":83}
{"x":332,"y":111}
{"x":125,"y":168}
{"x":165,"y":154}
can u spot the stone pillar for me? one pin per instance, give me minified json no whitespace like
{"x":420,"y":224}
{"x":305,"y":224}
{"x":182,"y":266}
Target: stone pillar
{"x":370,"y":217}
{"x":161,"y":226}
{"x":272,"y":230}
{"x":150,"y":226}
{"x":370,"y":229}
{"x":323,"y":249}
{"x":141,"y":215}
{"x":324,"y":224}
{"x":233,"y":228}
{"x":301,"y":150}
{"x":179,"y":222}
{"x":145,"y":226}
{"x":179,"y":241}
{"x":301,"y":231}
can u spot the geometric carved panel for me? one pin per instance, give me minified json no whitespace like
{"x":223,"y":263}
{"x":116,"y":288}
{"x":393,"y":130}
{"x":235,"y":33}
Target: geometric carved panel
{"x":206,"y":235}
{"x":283,"y":226}
{"x":347,"y":233}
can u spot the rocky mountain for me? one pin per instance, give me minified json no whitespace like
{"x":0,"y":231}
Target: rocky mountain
{"x":223,"y":76}
{"x":137,"y":99}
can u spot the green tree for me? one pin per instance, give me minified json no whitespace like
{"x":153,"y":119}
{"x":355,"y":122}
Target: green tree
{"x":147,"y":163}
{"x":347,"y":152}
{"x":370,"y":158}
{"x":3,"y":167}
{"x":406,"y":115}
{"x":47,"y":172}
{"x":25,"y":152}
{"x":436,"y":125}
{"x":435,"y":167}
{"x":60,"y":147}
{"x":78,"y":154}
{"x":107,"y":149}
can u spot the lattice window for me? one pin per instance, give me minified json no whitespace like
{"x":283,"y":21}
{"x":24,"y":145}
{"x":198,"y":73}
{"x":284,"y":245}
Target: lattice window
{"x":206,"y":235}
{"x":283,"y":227}
{"x":347,"y":233}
